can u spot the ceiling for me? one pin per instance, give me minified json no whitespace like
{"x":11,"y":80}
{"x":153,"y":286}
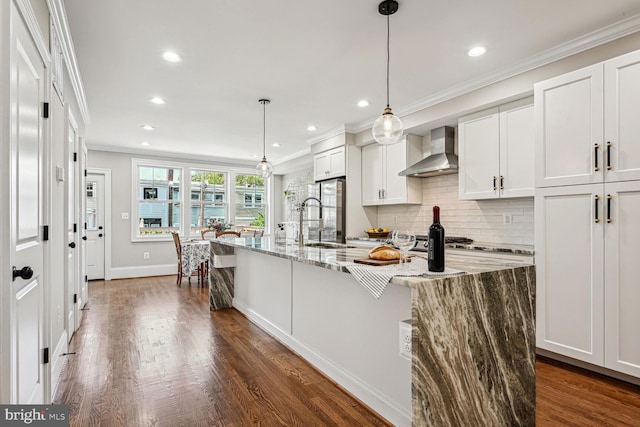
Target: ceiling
{"x":313,"y":59}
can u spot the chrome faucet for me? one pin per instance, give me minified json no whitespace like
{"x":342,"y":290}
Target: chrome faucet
{"x":302,"y":206}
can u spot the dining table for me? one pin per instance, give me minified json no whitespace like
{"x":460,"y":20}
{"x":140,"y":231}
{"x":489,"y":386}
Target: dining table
{"x":195,"y":253}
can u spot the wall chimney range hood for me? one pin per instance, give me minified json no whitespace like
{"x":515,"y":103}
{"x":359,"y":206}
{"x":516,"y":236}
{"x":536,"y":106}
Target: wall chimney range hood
{"x":442,"y":159}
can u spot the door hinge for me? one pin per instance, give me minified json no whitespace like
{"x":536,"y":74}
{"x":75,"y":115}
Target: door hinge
{"x":75,"y":228}
{"x":75,"y":157}
{"x":86,"y":278}
{"x":45,"y":110}
{"x":45,"y":233}
{"x":75,"y":298}
{"x":45,"y":355}
{"x":85,"y":172}
{"x":85,"y":225}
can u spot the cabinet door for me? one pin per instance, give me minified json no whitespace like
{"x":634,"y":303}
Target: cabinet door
{"x":479,"y":156}
{"x":569,"y":124}
{"x":517,"y":129}
{"x":372,"y":182}
{"x":321,"y":166}
{"x":622,"y":127}
{"x":395,"y":160}
{"x":622,"y":287}
{"x":570,"y":271}
{"x":337,"y":163}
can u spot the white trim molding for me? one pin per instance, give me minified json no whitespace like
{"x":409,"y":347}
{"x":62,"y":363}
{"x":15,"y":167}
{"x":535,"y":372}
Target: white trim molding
{"x":143,"y":271}
{"x":29,"y":16}
{"x":59,"y":18}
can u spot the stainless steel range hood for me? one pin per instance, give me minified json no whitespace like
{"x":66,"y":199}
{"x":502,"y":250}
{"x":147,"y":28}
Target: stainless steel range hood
{"x":442,"y":159}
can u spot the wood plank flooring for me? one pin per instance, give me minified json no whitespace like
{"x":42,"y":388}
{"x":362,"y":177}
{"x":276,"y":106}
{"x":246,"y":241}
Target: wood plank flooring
{"x":150,"y":353}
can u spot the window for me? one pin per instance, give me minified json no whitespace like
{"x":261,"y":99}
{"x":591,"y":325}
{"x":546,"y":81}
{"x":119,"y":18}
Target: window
{"x":249,"y":201}
{"x":208,"y":199}
{"x":159,"y":207}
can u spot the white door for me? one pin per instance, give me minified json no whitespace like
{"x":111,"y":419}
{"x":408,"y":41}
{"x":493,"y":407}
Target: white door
{"x":622,"y":127}
{"x":570,"y":271}
{"x":479,"y":155}
{"x":26,"y":316}
{"x":84,"y":290}
{"x":95,"y":218}
{"x":372,"y":180}
{"x":622,"y":287}
{"x":71,"y":270}
{"x":569,"y":128}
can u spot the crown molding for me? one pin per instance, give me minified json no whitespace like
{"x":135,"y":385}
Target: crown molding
{"x":221,"y":161}
{"x":588,"y":41}
{"x":29,"y":16}
{"x":339,"y":130}
{"x":292,"y":156}
{"x":59,"y":17}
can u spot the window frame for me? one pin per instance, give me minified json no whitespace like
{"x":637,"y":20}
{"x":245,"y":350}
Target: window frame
{"x":185,"y":201}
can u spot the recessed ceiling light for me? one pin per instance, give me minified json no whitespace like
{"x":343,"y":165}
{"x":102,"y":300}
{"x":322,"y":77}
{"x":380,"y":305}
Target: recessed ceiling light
{"x":275,"y":144}
{"x":477,"y":51}
{"x":255,"y":156}
{"x":147,"y":127}
{"x":158,"y":100}
{"x":171,"y":57}
{"x":311,"y":128}
{"x":363,"y":103}
{"x":145,"y":143}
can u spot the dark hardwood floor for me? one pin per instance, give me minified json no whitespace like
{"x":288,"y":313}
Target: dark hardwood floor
{"x":152,"y":354}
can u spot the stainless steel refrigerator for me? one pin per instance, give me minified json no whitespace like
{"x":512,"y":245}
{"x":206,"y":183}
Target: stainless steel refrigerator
{"x":326,"y":224}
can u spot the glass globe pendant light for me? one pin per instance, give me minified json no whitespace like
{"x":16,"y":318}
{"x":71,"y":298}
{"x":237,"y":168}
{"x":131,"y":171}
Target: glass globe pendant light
{"x":387,"y":129}
{"x":264,"y":168}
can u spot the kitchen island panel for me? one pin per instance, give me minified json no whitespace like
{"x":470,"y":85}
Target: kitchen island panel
{"x":263,"y":286}
{"x":337,"y":318}
{"x":474,"y":350}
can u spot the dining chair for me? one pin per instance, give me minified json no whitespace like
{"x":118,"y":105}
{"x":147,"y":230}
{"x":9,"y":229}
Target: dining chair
{"x":227,"y":233}
{"x":207,"y":231}
{"x":201,"y":269}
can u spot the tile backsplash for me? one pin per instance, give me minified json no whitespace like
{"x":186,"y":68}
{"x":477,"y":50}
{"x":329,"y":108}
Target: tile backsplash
{"x":481,"y":220}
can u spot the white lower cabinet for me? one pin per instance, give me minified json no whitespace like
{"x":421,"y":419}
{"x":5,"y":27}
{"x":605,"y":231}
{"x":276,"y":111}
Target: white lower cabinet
{"x":588,"y":291}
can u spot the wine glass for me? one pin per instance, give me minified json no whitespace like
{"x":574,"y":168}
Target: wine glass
{"x":404,"y":240}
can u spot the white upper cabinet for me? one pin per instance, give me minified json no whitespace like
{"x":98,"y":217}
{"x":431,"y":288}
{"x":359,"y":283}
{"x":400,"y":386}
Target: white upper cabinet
{"x":621,"y":149}
{"x":329,"y":164}
{"x":495,"y":149}
{"x":381,"y":164}
{"x":588,"y":124}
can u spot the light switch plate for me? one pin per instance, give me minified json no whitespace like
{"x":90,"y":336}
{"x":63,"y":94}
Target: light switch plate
{"x":124,"y":215}
{"x":59,"y":173}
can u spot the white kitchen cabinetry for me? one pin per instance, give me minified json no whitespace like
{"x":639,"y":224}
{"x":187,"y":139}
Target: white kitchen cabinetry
{"x":329,"y":164}
{"x":495,"y":149}
{"x":587,"y":241}
{"x":381,"y":164}
{"x":576,"y":142}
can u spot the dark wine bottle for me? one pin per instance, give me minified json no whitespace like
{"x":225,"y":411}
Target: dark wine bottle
{"x":436,"y":243}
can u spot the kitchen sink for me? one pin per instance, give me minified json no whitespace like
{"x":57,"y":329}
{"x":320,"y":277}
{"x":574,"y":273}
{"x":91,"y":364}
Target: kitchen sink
{"x":327,"y":245}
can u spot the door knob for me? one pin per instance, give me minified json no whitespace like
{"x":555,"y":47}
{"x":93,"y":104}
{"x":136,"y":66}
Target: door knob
{"x":25,"y":273}
{"x":72,"y":245}
{"x":100,"y":235}
{"x":100,"y":228}
{"x":84,"y":237}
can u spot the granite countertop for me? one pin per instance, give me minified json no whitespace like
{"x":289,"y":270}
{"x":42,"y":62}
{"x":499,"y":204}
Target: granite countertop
{"x":475,"y":246}
{"x":332,"y":257}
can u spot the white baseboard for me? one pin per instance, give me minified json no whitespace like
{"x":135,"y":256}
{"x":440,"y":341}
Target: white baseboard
{"x":371,"y":397}
{"x":143,"y":271}
{"x":57,"y":363}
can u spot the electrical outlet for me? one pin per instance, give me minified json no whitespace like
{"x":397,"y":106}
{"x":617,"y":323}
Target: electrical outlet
{"x":145,"y":255}
{"x":395,"y":219}
{"x":507,"y":219}
{"x":404,"y":329}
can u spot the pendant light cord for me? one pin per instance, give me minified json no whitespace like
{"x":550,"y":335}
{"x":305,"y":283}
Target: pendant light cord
{"x":388,"y":55}
{"x":264,"y":130}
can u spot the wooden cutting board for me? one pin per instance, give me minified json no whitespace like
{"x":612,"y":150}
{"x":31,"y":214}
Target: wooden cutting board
{"x":368,"y":261}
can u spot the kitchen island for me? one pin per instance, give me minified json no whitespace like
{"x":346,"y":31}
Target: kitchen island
{"x":473,"y":335}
